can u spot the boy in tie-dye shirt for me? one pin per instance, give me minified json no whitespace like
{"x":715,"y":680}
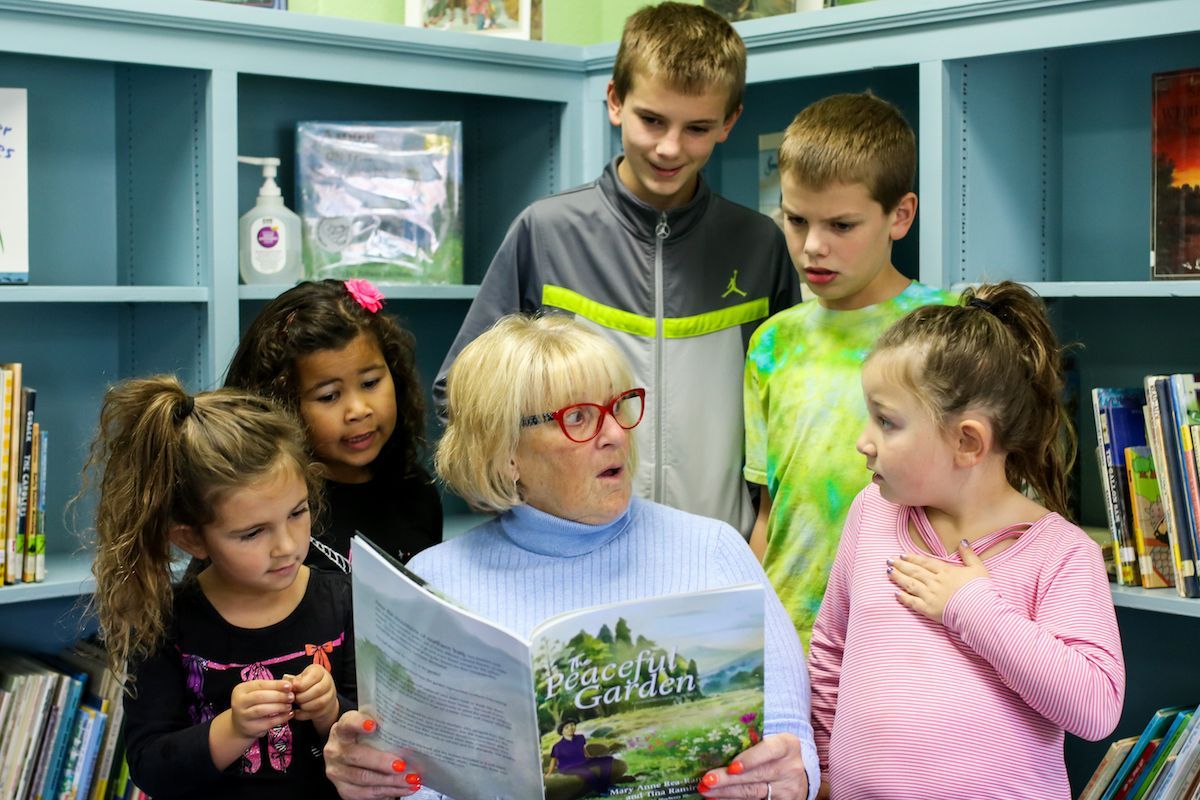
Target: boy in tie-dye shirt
{"x":847,"y":165}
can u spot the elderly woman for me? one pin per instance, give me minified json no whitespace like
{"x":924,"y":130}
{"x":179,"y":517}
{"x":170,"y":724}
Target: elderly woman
{"x":541,"y":412}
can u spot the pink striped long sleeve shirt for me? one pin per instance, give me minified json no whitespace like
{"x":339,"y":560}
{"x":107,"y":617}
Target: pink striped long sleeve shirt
{"x":976,"y":707}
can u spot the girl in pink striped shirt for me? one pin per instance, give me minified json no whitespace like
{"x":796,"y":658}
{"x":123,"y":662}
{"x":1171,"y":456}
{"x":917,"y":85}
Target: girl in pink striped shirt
{"x":966,"y":625}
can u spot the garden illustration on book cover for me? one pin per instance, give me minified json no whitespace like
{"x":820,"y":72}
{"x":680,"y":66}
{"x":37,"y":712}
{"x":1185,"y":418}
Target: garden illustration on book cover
{"x":633,"y":705}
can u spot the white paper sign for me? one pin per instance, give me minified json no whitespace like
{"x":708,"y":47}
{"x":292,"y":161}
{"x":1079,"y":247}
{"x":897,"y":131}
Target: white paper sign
{"x":14,"y":187}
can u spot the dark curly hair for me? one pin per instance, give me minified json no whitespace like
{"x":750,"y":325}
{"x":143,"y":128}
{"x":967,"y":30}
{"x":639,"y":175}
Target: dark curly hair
{"x":322,"y":315}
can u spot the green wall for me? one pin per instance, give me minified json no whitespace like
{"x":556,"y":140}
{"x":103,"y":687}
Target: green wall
{"x":372,"y":10}
{"x":580,"y":22}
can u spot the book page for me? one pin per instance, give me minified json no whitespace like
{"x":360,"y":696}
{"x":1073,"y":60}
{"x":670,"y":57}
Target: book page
{"x":639,"y":699}
{"x":451,"y":691}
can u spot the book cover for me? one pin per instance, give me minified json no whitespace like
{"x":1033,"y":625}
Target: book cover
{"x":1175,"y":144}
{"x":1185,"y":402}
{"x":13,"y":421}
{"x":1155,"y":728}
{"x":634,"y":699}
{"x":1119,"y":424}
{"x":1139,"y":769}
{"x":62,"y":737}
{"x":1156,"y":564}
{"x":1107,"y":767}
{"x":68,"y":781}
{"x":14,"y":177}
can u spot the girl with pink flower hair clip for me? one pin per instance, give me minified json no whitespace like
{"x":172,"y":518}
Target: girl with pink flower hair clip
{"x":327,"y":351}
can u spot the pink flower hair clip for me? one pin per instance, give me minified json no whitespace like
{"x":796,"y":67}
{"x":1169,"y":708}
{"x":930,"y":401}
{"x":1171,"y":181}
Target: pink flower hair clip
{"x":365,"y":294}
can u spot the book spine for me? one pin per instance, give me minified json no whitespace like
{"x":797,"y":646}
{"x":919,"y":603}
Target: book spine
{"x":1185,"y":576}
{"x":40,"y":543}
{"x":10,"y":533}
{"x":1183,"y":396}
{"x":66,"y":730}
{"x":86,"y":775}
{"x":1112,"y":511}
{"x":66,"y":778}
{"x":1177,"y":480}
{"x":29,"y":567}
{"x":5,"y":461}
{"x":17,"y":554}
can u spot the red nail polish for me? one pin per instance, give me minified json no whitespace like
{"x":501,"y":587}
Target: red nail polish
{"x":736,"y":768}
{"x":413,"y":778}
{"x":701,"y":788}
{"x":398,"y":765}
{"x":710,"y":779}
{"x":369,"y":725}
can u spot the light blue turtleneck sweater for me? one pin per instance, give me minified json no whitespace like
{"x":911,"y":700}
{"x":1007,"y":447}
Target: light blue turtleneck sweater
{"x":526,"y":565}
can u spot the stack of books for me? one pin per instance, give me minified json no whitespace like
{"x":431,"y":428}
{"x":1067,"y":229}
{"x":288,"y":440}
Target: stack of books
{"x":1148,"y":448}
{"x":1163,"y":763}
{"x":61,"y":718}
{"x":23,"y":446}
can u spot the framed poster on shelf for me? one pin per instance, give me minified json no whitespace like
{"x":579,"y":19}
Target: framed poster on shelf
{"x":14,"y":177}
{"x":517,"y":19}
{"x":1175,"y":199}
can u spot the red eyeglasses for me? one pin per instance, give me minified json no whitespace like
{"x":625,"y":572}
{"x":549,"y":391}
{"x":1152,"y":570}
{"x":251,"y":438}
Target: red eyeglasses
{"x":581,"y":422}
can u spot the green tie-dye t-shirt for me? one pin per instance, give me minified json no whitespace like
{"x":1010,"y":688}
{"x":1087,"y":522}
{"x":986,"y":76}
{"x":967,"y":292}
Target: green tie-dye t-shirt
{"x":804,"y":412}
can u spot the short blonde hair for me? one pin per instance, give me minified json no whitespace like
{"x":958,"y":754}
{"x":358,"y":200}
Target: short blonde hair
{"x":522,"y":365}
{"x":852,"y":138}
{"x":690,"y":48}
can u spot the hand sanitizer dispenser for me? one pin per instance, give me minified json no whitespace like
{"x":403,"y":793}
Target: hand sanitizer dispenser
{"x":269,"y":233}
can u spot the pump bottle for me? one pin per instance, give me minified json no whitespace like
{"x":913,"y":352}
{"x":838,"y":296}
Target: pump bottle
{"x":269,"y":233}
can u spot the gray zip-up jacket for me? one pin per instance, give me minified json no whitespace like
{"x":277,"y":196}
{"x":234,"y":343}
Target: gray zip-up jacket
{"x":679,"y":292}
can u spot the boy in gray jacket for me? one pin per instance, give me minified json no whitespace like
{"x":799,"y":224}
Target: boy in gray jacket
{"x":675,"y":275}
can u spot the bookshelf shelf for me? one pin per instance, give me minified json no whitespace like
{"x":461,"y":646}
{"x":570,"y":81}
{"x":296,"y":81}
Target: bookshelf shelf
{"x":1163,"y":601}
{"x":390,"y":291}
{"x":1110,"y":289}
{"x":104,"y":294}
{"x":67,"y":575}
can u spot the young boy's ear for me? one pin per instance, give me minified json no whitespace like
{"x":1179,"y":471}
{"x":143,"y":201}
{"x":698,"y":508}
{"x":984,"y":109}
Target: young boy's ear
{"x":903,"y":216}
{"x":189,"y":540}
{"x":614,"y":104}
{"x":727,"y":125}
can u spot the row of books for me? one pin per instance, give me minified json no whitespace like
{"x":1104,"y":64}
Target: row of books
{"x":61,"y":717}
{"x":1149,"y":456}
{"x":1163,"y":763}
{"x":23,"y":446}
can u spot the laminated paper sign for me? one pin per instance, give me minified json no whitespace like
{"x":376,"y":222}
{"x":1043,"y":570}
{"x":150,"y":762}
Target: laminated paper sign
{"x":14,"y":188}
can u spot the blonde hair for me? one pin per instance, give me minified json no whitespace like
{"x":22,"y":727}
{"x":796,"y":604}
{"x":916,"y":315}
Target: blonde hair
{"x":689,"y":47}
{"x":167,"y":458}
{"x":522,"y":365}
{"x":996,"y":352}
{"x":852,"y":138}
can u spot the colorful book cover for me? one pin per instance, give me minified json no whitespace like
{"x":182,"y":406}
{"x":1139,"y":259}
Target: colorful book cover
{"x":1178,"y":726}
{"x":28,"y":409}
{"x":1156,"y":564}
{"x":1175,"y":143}
{"x":635,"y":699}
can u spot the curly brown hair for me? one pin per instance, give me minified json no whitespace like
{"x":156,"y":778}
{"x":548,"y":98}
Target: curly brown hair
{"x":322,"y":315}
{"x":166,"y":458}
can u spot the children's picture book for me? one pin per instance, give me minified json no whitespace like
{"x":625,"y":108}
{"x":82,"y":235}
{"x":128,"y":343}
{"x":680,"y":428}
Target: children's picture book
{"x":1157,"y":566}
{"x":517,"y":19}
{"x":1175,"y":143}
{"x":14,"y":177}
{"x":636,"y":699}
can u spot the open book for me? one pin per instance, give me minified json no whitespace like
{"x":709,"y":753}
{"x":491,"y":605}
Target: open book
{"x":635,"y":699}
